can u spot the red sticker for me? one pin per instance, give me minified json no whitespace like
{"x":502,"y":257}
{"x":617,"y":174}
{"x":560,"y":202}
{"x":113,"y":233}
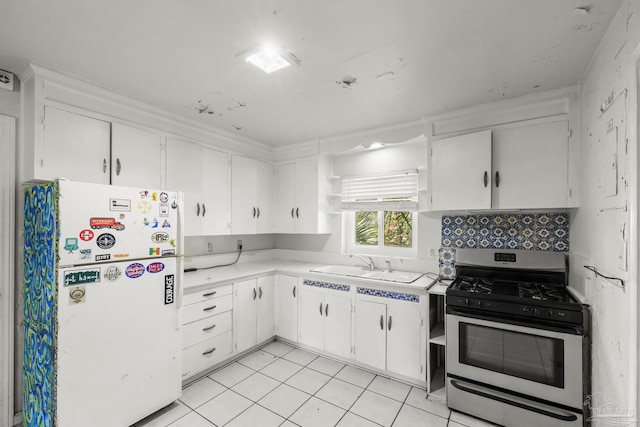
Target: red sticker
{"x":86,"y":235}
{"x":134,"y":270}
{"x":155,"y":267}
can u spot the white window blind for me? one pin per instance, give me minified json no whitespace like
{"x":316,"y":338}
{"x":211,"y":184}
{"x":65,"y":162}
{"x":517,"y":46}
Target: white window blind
{"x":394,"y":191}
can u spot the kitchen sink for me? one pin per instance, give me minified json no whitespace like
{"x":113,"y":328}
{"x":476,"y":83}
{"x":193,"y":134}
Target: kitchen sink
{"x":365,"y":273}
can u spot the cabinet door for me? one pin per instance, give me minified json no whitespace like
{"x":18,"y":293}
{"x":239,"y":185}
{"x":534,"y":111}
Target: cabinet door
{"x":243,"y":195}
{"x":311,"y":319}
{"x":337,"y":327}
{"x":532,"y":165}
{"x":266,"y":308}
{"x":184,"y":173}
{"x":245,"y":314}
{"x":264,"y":198}
{"x":404,"y":355}
{"x":461,"y":172}
{"x":370,"y":334}
{"x":216,"y":187}
{"x":75,"y":147}
{"x":306,"y":196}
{"x":286,"y":205}
{"x":287,"y":307}
{"x":135,"y":157}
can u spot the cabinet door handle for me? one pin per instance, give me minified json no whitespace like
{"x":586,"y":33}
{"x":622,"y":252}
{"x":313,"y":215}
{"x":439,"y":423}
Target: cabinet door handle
{"x":204,"y":209}
{"x":254,"y":211}
{"x":198,"y":209}
{"x":209,"y":328}
{"x":260,"y":292}
{"x":320,"y":309}
{"x":297,"y":212}
{"x":104,"y":165}
{"x":497,"y":179}
{"x":381,"y":322}
{"x":255,"y":294}
{"x":294,"y":291}
{"x":258,"y":209}
{"x":389,"y":323}
{"x":206,"y":353}
{"x":209,"y":308}
{"x":486,"y":178}
{"x":326,"y":309}
{"x":210,"y":294}
{"x":118,"y":167}
{"x":292,"y":209}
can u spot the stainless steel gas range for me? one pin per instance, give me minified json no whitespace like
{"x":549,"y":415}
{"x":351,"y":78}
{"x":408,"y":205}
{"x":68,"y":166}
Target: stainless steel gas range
{"x":517,"y":350}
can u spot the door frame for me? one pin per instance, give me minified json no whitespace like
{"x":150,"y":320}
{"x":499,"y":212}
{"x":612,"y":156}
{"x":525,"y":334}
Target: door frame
{"x":7,"y":265}
{"x":633,"y":257}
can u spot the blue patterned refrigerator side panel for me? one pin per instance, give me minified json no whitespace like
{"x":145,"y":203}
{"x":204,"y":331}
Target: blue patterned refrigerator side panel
{"x":40,"y":299}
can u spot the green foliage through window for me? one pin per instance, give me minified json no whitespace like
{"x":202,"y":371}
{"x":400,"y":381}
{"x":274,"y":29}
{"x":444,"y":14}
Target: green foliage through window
{"x":397,"y":228}
{"x":367,"y":228}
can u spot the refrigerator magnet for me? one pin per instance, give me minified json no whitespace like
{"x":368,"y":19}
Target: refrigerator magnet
{"x":77,"y":295}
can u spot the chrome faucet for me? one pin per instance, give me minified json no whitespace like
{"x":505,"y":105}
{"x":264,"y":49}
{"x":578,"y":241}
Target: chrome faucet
{"x":370,"y":263}
{"x":390,"y":270}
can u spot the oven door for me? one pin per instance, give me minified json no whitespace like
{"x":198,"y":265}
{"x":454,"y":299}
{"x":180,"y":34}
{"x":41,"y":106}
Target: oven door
{"x":545,"y":365}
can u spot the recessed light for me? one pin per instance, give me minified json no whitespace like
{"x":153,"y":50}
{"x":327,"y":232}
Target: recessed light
{"x":268,"y":60}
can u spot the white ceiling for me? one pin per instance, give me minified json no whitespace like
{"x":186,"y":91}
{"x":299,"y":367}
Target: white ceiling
{"x":410,"y":58}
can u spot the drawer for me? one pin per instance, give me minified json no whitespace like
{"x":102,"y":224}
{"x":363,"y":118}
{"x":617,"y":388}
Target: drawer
{"x":209,"y":327}
{"x":202,"y":309}
{"x":206,"y":354}
{"x":206,"y":294}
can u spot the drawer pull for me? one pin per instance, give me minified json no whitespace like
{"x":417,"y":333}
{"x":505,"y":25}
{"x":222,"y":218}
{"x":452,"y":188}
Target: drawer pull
{"x":209,"y":294}
{"x":209,"y":328}
{"x":206,"y":353}
{"x":209,"y":308}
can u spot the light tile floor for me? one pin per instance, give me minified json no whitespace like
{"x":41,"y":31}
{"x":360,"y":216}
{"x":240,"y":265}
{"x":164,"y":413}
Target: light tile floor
{"x":280,"y":385}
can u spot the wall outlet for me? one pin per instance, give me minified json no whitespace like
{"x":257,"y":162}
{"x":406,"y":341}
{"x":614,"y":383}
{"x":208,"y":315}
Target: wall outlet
{"x":239,"y":246}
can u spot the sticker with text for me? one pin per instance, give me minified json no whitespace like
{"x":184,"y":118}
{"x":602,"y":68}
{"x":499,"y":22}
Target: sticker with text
{"x":106,"y":241}
{"x":120,"y":205}
{"x":155,"y":267}
{"x":169,"y":294}
{"x":79,"y":277}
{"x":86,"y":235}
{"x":135,"y":270}
{"x":85,"y":254}
{"x":160,"y":237}
{"x":112,"y":273}
{"x":103,"y":257}
{"x":71,"y":244}
{"x":105,"y":222}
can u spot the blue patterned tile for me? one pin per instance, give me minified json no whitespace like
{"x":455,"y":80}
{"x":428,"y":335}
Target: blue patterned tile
{"x":325,"y":285}
{"x":387,"y":294}
{"x":447,"y":263}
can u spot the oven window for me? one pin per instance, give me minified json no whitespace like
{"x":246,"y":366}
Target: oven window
{"x":532,"y":357}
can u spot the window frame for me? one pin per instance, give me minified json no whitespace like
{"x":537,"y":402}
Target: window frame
{"x":380,"y":250}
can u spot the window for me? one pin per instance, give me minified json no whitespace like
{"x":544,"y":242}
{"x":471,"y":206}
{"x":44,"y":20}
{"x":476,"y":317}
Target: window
{"x":381,"y":214}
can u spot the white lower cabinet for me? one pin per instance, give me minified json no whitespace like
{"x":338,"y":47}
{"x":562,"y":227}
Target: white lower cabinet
{"x":390,"y":336}
{"x":287,"y":307}
{"x":254,"y":312}
{"x":324,"y":318}
{"x":206,"y":328}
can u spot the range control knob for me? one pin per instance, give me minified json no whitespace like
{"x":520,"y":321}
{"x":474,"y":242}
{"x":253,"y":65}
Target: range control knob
{"x":478,"y":303}
{"x":549,"y":313}
{"x":467,"y":302}
{"x":535,"y":312}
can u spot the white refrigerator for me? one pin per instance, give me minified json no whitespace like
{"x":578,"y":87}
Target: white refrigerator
{"x":103,"y":269}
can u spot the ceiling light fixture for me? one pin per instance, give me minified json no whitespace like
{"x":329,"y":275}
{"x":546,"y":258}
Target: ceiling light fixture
{"x":372,"y":145}
{"x":268,"y":59}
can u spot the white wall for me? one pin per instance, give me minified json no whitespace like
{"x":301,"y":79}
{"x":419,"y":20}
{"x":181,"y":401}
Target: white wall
{"x":595,"y":230}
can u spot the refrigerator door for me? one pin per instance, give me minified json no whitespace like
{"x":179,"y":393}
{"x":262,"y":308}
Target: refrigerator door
{"x":105,"y":223}
{"x":118,"y":352}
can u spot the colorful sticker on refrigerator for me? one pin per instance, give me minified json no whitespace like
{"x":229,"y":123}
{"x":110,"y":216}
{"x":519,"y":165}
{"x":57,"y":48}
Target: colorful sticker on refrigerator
{"x":106,"y":241}
{"x":174,"y":204}
{"x":155,"y":267}
{"x":135,"y":270}
{"x":86,"y":235}
{"x":169,"y":295}
{"x":121,"y":255}
{"x":168,"y":252}
{"x":144,"y":207}
{"x":105,"y":222}
{"x":164,"y":210}
{"x":112,"y":273}
{"x":160,"y":237}
{"x":103,"y":257}
{"x":153,"y":224}
{"x":71,"y":244}
{"x":154,"y":196}
{"x":164,"y":197}
{"x":120,"y":205}
{"x":154,"y":251}
{"x":144,"y":194}
{"x":77,"y":295}
{"x":85,"y":254}
{"x":79,"y":277}
{"x":165,"y":224}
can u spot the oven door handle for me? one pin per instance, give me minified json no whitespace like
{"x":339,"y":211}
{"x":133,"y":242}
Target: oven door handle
{"x":547,"y":411}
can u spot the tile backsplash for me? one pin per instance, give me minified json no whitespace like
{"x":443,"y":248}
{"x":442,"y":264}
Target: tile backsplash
{"x":538,"y":232}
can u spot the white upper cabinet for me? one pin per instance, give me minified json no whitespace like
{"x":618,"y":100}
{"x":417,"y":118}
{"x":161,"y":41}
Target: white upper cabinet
{"x":523,"y":167}
{"x":136,"y":157}
{"x":75,"y":147}
{"x":202,"y":174}
{"x":251,"y":196}
{"x":303,"y":189}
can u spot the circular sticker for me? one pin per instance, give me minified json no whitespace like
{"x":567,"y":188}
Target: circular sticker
{"x":164,"y":197}
{"x":155,"y":267}
{"x":159,"y":237}
{"x":112,"y":274}
{"x":86,"y":235}
{"x":134,"y":270}
{"x":106,"y":241}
